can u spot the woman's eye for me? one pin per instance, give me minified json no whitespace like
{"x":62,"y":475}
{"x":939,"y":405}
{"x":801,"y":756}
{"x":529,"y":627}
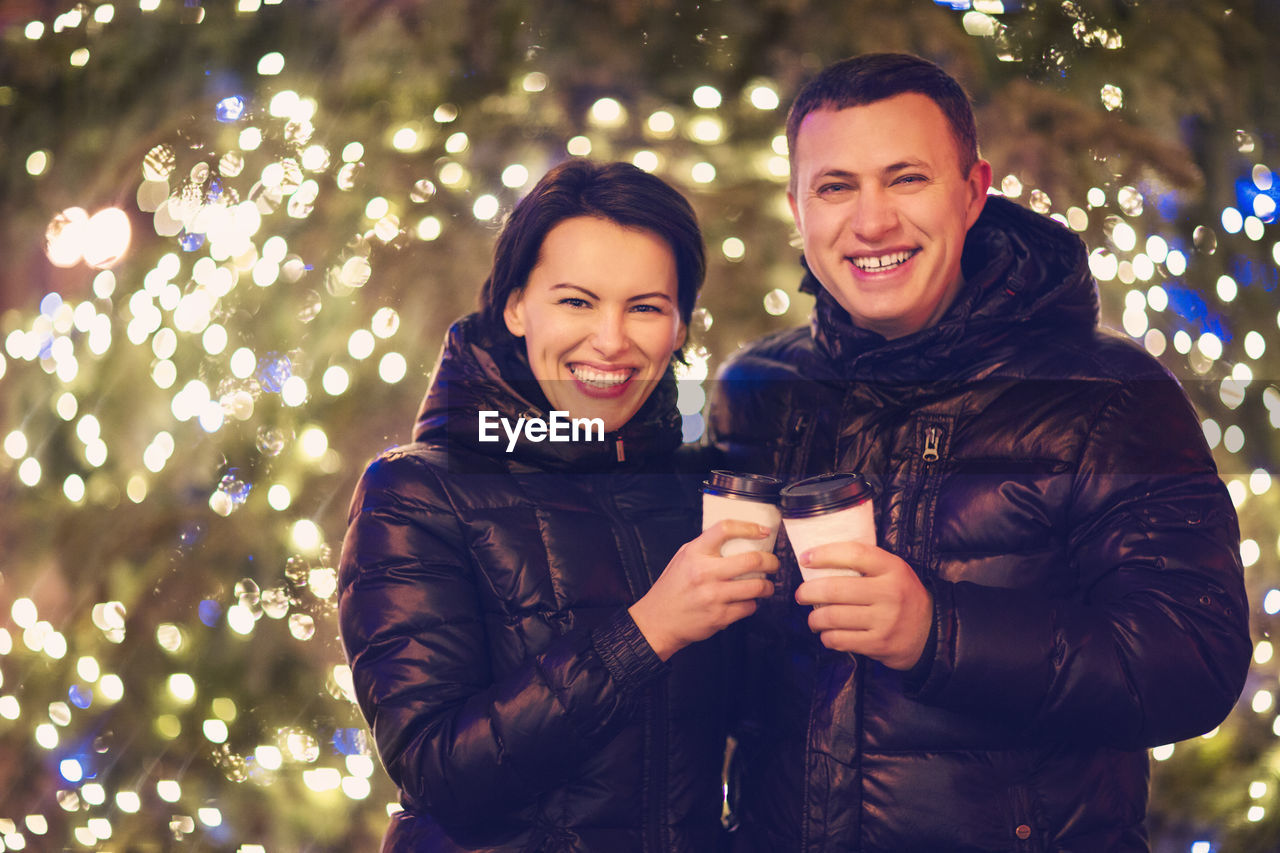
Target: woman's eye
{"x":647,"y":309}
{"x":573,"y":302}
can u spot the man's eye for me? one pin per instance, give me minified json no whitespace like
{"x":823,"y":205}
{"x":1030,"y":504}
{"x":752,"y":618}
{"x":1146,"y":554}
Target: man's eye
{"x":911,"y":179}
{"x":830,"y":189}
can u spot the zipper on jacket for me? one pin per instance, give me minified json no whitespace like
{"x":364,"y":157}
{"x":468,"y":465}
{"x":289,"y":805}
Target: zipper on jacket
{"x":932,"y":438}
{"x":916,"y":544}
{"x":798,"y":427}
{"x":792,"y":458}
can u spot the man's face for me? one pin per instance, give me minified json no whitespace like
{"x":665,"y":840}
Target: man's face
{"x":883,"y":209}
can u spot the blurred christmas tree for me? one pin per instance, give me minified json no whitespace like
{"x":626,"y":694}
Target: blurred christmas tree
{"x":235,"y":233}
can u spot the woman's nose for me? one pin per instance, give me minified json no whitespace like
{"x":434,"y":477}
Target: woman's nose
{"x":610,"y":335}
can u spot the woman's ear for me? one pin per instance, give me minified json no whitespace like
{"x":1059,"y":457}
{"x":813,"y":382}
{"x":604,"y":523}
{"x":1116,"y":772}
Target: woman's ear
{"x":681,"y":336}
{"x":513,"y":313}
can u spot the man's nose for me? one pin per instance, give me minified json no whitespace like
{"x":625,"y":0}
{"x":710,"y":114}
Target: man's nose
{"x":874,"y":215}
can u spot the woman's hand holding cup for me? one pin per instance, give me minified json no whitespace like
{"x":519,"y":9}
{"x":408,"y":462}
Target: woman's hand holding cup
{"x":701,"y":592}
{"x":746,"y":497}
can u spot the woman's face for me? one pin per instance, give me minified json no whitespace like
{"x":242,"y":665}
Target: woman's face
{"x":599,"y":318}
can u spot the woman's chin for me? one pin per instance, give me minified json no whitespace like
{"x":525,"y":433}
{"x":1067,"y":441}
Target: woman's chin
{"x":612,"y":417}
{"x":612,"y":408}
{"x":614,"y":414}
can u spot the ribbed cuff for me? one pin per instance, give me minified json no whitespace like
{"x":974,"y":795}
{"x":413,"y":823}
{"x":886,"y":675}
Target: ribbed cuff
{"x":914,"y":679}
{"x":626,"y":653}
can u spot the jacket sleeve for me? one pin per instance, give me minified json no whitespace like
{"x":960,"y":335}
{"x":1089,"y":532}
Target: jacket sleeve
{"x":459,"y":743}
{"x":1151,"y":644}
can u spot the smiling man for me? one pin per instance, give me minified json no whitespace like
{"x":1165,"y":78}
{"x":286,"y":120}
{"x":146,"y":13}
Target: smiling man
{"x":884,"y":198}
{"x":1056,"y":584}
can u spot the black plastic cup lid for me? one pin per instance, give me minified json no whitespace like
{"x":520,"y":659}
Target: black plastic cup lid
{"x":755,"y":487}
{"x":823,"y":493}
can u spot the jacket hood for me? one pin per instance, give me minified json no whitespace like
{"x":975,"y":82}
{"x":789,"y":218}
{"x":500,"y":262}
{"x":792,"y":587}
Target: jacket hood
{"x":476,"y":373}
{"x":1021,"y":270}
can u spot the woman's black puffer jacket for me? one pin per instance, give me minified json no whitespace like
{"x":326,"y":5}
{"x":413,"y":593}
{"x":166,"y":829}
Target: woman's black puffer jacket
{"x":483,"y":600}
{"x":1049,"y":482}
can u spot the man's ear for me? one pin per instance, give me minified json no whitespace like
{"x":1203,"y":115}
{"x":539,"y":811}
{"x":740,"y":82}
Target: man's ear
{"x":513,"y":313}
{"x":978,"y":182}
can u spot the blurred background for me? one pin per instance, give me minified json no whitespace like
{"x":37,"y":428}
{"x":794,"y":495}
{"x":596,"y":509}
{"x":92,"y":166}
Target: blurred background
{"x":232,"y":235}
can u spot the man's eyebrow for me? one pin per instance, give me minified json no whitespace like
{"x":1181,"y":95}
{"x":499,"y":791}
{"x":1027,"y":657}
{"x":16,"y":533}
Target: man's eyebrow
{"x":846,"y":175}
{"x":832,"y":174}
{"x":910,"y":163}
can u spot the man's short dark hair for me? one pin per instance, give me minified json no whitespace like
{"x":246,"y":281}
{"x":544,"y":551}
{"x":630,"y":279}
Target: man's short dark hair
{"x":861,"y":80}
{"x":618,"y":192}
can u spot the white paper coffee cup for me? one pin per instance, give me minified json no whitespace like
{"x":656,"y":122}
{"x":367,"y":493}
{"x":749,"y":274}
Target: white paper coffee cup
{"x":742,"y":497}
{"x":824,"y":509}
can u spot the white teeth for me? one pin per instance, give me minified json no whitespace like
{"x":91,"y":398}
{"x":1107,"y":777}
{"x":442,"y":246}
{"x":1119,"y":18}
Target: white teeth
{"x":882,"y":262}
{"x":600,"y":378}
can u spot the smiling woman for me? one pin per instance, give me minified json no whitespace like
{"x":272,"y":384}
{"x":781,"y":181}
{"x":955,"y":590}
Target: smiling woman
{"x":504,"y":604}
{"x":599,"y":333}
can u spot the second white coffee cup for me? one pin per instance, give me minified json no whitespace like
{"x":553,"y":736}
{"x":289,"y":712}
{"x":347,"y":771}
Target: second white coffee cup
{"x":824,"y":509}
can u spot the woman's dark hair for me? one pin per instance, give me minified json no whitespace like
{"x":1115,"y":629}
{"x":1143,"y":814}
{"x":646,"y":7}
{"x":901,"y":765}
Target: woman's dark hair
{"x":618,"y":192}
{"x":872,"y":77}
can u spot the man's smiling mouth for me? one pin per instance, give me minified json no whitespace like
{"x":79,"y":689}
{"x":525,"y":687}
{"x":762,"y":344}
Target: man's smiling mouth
{"x":881,"y":263}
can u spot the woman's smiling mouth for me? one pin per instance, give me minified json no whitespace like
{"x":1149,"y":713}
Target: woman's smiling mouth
{"x":598,"y":382}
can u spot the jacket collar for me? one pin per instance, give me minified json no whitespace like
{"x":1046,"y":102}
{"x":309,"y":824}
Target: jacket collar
{"x":1022,"y":271}
{"x":478,"y":373}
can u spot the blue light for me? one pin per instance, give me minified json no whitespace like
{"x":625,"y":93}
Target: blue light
{"x":1190,"y":305}
{"x":1201,"y":847}
{"x":1242,"y":271}
{"x":190,"y":240}
{"x":234,"y":487}
{"x":50,"y":304}
{"x":230,"y":109}
{"x":1249,"y":272}
{"x":349,"y":741}
{"x":210,"y":612}
{"x":80,"y":696}
{"x":955,"y":5}
{"x":273,"y":370}
{"x":1247,"y":193}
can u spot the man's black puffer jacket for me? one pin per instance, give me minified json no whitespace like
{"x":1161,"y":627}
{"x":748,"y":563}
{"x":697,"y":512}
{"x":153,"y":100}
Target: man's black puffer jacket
{"x":1050,"y":484}
{"x":483,"y":600}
